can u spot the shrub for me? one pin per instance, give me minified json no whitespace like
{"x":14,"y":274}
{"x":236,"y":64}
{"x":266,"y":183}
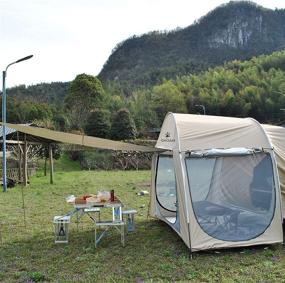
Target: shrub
{"x":98,"y":123}
{"x":123,"y":126}
{"x":97,"y":159}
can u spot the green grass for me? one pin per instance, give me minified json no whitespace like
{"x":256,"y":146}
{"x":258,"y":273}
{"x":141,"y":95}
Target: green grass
{"x":153,"y":253}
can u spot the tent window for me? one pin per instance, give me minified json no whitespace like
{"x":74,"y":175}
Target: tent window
{"x":201,"y":176}
{"x":166,"y":183}
{"x":233,"y":197}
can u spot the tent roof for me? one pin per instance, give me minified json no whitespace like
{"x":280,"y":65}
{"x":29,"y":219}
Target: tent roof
{"x":55,"y":136}
{"x":193,"y":132}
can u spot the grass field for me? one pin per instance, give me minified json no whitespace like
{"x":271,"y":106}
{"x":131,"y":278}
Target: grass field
{"x":153,"y":253}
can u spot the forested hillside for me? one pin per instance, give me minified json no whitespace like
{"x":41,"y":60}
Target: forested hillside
{"x":254,"y":88}
{"x":237,"y":30}
{"x":53,"y":93}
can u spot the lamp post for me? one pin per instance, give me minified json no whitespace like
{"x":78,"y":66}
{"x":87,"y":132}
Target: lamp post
{"x":202,"y":106}
{"x":4,"y":169}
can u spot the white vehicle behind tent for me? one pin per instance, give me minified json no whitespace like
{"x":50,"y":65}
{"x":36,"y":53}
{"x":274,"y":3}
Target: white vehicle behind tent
{"x":217,"y":183}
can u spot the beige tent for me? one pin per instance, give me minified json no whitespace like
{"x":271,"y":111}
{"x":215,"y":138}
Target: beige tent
{"x":216,"y":184}
{"x":276,"y":135}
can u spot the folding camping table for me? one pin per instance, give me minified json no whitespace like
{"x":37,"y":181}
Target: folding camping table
{"x":116,"y":222}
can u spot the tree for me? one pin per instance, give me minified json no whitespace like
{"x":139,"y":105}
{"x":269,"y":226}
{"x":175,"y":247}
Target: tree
{"x":21,"y":111}
{"x":98,"y":123}
{"x":123,"y":126}
{"x":142,"y":110}
{"x":85,"y":93}
{"x":114,"y":102}
{"x":168,"y":98}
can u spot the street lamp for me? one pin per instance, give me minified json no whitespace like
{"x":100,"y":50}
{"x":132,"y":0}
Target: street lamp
{"x":4,"y":169}
{"x":202,"y":106}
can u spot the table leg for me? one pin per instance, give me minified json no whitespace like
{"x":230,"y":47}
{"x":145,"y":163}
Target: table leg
{"x":95,"y":236}
{"x":123,"y":235}
{"x":117,"y":214}
{"x":120,"y":214}
{"x":77,"y":220}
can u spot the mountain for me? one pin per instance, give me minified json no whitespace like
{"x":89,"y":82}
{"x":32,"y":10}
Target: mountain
{"x":237,"y":30}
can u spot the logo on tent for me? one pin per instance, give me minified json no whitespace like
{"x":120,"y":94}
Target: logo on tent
{"x":167,"y":138}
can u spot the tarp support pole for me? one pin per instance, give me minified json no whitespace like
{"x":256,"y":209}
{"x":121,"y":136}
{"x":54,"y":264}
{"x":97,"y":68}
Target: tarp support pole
{"x":25,"y":163}
{"x":20,"y":158}
{"x":20,"y":164}
{"x":45,"y":169}
{"x":51,"y":164}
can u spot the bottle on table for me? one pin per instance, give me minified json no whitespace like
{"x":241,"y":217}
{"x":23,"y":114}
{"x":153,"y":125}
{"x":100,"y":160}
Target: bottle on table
{"x":112,"y":193}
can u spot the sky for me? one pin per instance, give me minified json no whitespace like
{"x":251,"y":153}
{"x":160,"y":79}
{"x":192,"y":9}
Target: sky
{"x":69,"y":37}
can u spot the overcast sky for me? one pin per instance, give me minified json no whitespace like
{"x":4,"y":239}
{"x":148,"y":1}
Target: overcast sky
{"x":69,"y":37}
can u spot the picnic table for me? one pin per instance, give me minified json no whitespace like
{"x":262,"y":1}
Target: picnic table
{"x":93,"y":208}
{"x":92,"y":205}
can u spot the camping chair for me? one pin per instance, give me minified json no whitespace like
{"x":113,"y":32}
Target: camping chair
{"x":130,"y":221}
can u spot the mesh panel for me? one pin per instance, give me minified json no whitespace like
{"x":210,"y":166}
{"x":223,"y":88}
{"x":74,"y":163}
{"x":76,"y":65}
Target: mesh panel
{"x":233,"y":196}
{"x":165,"y":183}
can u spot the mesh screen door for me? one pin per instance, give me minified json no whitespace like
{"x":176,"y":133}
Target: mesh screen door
{"x":233,"y":197}
{"x":166,"y":187}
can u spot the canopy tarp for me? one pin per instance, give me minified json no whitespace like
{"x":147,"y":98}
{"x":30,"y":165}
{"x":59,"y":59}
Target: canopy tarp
{"x":79,"y":139}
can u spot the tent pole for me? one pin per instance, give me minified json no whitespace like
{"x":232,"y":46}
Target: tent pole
{"x":25,"y":163}
{"x":190,"y":250}
{"x":51,"y":164}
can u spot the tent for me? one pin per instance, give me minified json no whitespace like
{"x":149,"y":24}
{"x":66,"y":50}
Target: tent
{"x":216,"y":183}
{"x":276,"y":135}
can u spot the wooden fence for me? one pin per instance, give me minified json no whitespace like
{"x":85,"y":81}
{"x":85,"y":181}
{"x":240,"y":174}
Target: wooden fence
{"x":13,"y":173}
